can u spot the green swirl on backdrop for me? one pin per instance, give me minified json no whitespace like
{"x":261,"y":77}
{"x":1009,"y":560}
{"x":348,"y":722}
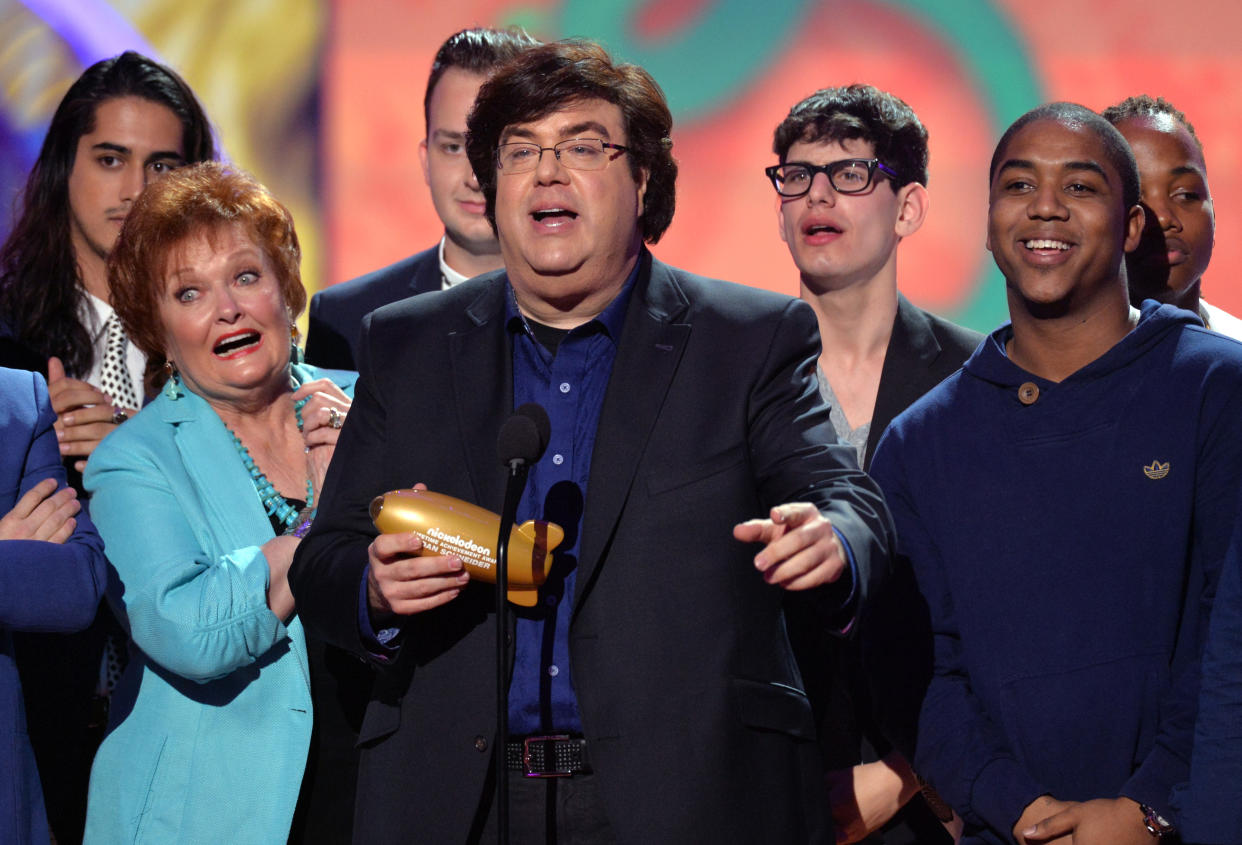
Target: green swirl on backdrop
{"x":706,"y":65}
{"x":995,"y":58}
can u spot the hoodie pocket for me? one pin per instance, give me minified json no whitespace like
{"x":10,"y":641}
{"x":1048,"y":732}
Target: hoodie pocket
{"x":1082,"y":732}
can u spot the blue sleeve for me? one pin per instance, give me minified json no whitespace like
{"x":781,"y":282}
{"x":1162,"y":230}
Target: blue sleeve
{"x":1212,"y":812}
{"x":45,"y":586}
{"x":197,"y":612}
{"x":381,"y":643}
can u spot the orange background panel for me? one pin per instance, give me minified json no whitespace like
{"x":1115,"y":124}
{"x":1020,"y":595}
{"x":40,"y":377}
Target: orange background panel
{"x":376,"y":207}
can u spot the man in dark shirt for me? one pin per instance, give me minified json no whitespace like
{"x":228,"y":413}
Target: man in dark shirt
{"x":682,"y":409}
{"x":469,"y":245}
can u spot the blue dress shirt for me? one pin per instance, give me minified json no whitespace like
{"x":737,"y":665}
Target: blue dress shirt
{"x":569,"y":383}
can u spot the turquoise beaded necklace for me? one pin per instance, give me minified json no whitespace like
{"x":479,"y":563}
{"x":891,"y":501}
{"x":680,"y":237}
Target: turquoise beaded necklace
{"x":275,"y":504}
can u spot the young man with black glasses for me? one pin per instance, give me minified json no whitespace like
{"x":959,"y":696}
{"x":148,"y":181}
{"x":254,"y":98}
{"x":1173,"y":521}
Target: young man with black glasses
{"x":851,"y":186}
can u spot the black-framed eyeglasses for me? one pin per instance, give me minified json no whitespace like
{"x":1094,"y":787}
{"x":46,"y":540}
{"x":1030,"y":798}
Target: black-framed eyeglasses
{"x":576,"y":154}
{"x":847,"y":176}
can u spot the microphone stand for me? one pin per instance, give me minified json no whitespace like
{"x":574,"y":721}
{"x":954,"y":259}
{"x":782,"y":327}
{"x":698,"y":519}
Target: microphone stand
{"x":523,"y":438}
{"x":518,"y":469}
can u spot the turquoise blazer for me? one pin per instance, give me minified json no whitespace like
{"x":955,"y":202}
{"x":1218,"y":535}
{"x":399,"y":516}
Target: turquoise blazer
{"x":210,"y":726}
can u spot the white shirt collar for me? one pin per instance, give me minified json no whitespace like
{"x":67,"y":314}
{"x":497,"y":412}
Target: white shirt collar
{"x":95,"y":314}
{"x":448,"y":275}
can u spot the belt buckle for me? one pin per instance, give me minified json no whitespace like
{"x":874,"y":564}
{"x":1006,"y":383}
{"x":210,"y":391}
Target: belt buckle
{"x":526,"y":769}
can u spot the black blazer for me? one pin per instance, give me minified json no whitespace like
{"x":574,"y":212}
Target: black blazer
{"x":336,"y":312}
{"x":922,"y":351}
{"x":698,"y":726}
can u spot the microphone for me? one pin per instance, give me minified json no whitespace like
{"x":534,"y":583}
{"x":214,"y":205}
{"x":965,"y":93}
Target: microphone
{"x":524,"y":436}
{"x":522,"y":441}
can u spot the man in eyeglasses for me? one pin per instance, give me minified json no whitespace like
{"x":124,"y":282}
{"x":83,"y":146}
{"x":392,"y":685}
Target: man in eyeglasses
{"x":691,"y":463}
{"x":851,"y":186}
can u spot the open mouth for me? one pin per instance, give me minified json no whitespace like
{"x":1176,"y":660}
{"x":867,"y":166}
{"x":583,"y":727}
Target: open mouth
{"x":235,"y":343}
{"x":1045,"y":244}
{"x":554,"y":216}
{"x":822,"y":229}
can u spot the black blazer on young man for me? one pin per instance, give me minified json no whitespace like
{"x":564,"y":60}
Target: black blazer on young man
{"x":336,"y":312}
{"x":922,"y":351}
{"x":697,"y":725}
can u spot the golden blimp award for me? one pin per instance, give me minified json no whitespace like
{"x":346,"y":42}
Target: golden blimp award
{"x":450,"y":526}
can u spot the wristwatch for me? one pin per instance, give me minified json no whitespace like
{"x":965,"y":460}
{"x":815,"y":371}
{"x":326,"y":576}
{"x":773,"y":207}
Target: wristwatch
{"x":1156,"y":824}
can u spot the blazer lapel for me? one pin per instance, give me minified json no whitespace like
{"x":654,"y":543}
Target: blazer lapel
{"x":912,"y":349}
{"x":482,"y":380}
{"x":650,"y":350}
{"x":427,"y":277}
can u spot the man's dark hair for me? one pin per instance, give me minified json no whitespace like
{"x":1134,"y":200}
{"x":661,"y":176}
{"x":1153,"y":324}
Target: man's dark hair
{"x":1075,"y":116}
{"x":478,"y":50}
{"x":40,"y":294}
{"x":1144,"y":105}
{"x":550,"y":77}
{"x":860,"y":113}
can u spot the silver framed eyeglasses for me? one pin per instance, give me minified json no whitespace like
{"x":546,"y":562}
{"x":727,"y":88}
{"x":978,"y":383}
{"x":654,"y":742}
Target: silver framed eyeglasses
{"x":576,"y":154}
{"x":847,"y":176}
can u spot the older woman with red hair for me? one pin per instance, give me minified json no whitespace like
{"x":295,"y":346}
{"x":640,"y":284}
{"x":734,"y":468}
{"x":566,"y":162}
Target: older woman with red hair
{"x":201,"y":500}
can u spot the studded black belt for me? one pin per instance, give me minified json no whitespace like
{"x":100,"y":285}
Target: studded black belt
{"x":547,"y":756}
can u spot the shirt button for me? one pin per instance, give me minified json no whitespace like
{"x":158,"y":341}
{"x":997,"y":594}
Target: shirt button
{"x":480,"y":744}
{"x":553,"y":670}
{"x":550,"y":601}
{"x":558,"y":459}
{"x":1028,"y":393}
{"x":565,"y":387}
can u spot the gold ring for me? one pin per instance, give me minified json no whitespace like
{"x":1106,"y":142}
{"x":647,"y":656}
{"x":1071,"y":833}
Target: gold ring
{"x":335,"y":418}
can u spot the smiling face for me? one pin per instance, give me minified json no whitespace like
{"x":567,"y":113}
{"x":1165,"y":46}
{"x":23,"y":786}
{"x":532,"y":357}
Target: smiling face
{"x":133,"y":142}
{"x":225,"y":322}
{"x":1181,"y":222}
{"x":1058,"y":227}
{"x":454,"y":190}
{"x":569,"y":237}
{"x":838,"y":240}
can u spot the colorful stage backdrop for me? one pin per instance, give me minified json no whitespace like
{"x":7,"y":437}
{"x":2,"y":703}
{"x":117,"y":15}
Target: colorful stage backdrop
{"x":323,"y":101}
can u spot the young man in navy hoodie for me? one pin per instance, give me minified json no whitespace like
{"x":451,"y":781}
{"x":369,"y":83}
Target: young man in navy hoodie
{"x":1062,"y":504}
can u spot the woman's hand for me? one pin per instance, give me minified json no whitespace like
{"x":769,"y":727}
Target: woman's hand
{"x":322,"y":418}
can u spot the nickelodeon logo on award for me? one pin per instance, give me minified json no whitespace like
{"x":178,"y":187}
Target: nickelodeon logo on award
{"x":450,"y":526}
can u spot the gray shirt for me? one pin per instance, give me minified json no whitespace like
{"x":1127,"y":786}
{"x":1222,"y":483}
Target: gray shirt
{"x":856,"y":437}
